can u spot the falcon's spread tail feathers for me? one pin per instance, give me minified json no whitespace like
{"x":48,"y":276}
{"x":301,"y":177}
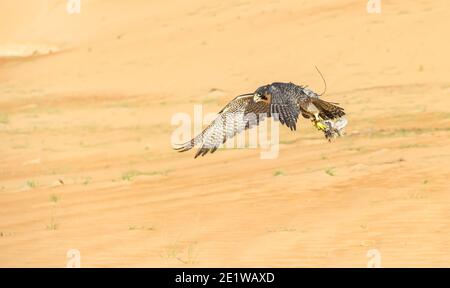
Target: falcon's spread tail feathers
{"x":328,"y":110}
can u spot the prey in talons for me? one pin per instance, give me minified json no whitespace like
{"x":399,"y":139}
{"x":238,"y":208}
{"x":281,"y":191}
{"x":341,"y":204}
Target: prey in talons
{"x":331,"y":128}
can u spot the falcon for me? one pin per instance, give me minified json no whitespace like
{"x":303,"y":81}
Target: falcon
{"x":282,"y":102}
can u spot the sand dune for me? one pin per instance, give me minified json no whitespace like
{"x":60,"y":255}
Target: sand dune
{"x":87,"y":162}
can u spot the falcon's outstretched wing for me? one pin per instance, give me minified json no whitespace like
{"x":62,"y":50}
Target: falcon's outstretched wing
{"x":284,"y":102}
{"x":240,"y":114}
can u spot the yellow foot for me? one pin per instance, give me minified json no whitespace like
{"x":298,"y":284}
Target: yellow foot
{"x":319,"y":125}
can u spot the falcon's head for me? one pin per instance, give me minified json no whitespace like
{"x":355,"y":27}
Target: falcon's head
{"x":262,"y":94}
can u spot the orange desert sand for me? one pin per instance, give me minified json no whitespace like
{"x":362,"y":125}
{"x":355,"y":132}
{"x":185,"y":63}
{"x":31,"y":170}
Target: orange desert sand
{"x":86,"y":102}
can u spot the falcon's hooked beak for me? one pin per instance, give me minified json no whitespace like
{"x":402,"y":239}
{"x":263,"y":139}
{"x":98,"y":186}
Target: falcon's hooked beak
{"x":257,"y":97}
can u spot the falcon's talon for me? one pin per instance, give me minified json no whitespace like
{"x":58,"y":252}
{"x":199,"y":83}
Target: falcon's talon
{"x":319,"y":125}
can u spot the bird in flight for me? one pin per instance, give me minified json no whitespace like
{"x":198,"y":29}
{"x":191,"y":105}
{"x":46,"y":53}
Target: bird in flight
{"x":283,"y":102}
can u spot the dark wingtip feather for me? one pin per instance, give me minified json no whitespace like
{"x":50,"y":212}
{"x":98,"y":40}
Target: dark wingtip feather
{"x":198,"y":153}
{"x":201,"y":152}
{"x":183,"y":147}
